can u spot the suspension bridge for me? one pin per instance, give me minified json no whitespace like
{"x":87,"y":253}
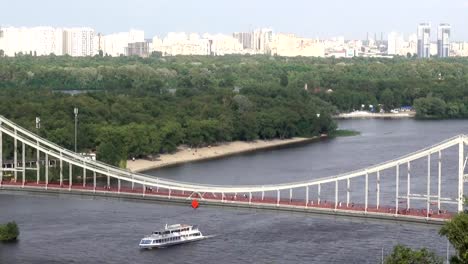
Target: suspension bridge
{"x":424,"y":186}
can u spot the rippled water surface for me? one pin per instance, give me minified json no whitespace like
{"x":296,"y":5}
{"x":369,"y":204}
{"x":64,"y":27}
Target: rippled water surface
{"x":73,"y":229}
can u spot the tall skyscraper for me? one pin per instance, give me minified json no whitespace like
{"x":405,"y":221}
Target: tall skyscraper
{"x":443,"y":40}
{"x":424,"y":40}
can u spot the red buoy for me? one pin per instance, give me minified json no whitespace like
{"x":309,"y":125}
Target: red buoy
{"x":195,"y":204}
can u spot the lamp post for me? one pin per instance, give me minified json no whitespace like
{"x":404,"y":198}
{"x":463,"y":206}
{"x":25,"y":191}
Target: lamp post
{"x":75,"y":110}
{"x":38,"y":122}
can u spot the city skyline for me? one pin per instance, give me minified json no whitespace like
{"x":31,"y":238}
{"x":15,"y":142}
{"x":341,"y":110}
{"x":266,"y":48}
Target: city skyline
{"x":307,"y":19}
{"x":86,"y":41}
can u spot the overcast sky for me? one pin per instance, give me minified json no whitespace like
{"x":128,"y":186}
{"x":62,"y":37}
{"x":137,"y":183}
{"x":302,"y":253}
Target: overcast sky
{"x":308,"y":18}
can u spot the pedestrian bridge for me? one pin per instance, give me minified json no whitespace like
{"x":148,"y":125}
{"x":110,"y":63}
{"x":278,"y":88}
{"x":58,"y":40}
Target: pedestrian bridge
{"x":424,"y":186}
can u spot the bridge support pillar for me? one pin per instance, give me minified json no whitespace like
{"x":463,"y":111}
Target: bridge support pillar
{"x":263,"y":195}
{"x":439,"y":182}
{"x":336,"y":194}
{"x":461,"y":146}
{"x":133,"y":183}
{"x":84,"y":176}
{"x":38,"y":164}
{"x":46,"y":170}
{"x":348,"y":189}
{"x":61,"y":170}
{"x":144,"y":190}
{"x":290,"y":195}
{"x":94,"y":181}
{"x":1,"y":156}
{"x":366,"y":199}
{"x":118,"y":187}
{"x":23,"y":160}
{"x":222,"y":197}
{"x":397,"y":188}
{"x":15,"y":156}
{"x":307,"y":196}
{"x":70,"y":176}
{"x":318,"y":193}
{"x":378,"y":190}
{"x":250,"y":198}
{"x":408,"y":187}
{"x":277,"y":197}
{"x":428,"y":202}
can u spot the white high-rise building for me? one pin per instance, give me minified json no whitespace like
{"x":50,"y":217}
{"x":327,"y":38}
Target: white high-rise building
{"x":289,"y":45}
{"x":115,"y":44}
{"x":262,"y":39}
{"x":443,"y":40}
{"x":222,"y":44}
{"x":79,"y":42}
{"x":395,"y":43}
{"x":179,"y":43}
{"x":424,"y":40}
{"x":35,"y":41}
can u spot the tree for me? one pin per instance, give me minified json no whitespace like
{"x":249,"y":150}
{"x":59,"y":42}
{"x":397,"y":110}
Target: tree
{"x":112,"y":148}
{"x":156,"y":54}
{"x":387,"y":99}
{"x":9,"y":232}
{"x":2,"y":53}
{"x":171,"y":136}
{"x":284,"y":79}
{"x":456,"y":231}
{"x":405,"y":255}
{"x":431,"y":107}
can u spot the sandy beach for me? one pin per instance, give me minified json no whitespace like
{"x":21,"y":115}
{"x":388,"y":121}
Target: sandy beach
{"x":364,"y":114}
{"x":185,"y":154}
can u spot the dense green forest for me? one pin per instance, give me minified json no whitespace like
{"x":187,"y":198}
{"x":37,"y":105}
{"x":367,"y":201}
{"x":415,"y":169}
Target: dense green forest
{"x":131,"y":106}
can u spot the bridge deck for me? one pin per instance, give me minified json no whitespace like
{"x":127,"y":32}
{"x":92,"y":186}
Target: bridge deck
{"x":383,"y":212}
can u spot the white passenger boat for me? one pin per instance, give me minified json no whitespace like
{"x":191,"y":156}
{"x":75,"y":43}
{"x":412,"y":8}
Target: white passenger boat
{"x":172,"y":235}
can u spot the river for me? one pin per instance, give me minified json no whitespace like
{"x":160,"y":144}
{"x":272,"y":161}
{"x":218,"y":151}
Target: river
{"x":67,"y":229}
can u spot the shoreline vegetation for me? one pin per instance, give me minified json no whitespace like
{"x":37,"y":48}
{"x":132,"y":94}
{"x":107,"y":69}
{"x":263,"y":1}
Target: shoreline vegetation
{"x":344,"y":133}
{"x":185,"y":154}
{"x":9,"y":232}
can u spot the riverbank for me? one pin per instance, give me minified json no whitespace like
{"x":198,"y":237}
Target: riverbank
{"x":185,"y":154}
{"x":364,"y":114}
